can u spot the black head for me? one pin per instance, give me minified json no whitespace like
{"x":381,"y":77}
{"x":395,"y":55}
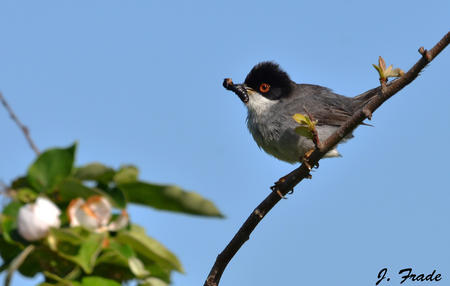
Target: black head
{"x":269,"y":80}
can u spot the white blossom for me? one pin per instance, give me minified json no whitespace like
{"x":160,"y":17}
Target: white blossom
{"x":35,"y":219}
{"x":95,"y":214}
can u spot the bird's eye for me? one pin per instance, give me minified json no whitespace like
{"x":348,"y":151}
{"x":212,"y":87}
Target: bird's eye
{"x":264,"y":87}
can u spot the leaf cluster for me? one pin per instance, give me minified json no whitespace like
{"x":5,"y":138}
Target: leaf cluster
{"x":307,"y":126}
{"x":78,"y":256}
{"x":386,"y":73}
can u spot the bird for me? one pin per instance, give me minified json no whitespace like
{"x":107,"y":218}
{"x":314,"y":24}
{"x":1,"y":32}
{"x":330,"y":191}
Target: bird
{"x":272,"y":98}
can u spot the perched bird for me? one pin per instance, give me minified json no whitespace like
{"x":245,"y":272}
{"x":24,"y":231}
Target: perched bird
{"x":272,"y":98}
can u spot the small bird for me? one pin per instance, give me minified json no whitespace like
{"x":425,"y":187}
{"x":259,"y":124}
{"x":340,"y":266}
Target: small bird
{"x":272,"y":98}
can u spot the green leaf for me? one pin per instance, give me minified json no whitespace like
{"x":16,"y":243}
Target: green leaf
{"x":8,"y":225}
{"x":72,"y":188}
{"x":116,"y":253}
{"x":137,"y":267}
{"x":112,"y":257}
{"x":123,"y":249}
{"x":72,"y":235}
{"x":83,"y":253}
{"x":126,"y":174}
{"x":113,"y":271}
{"x":156,"y":270}
{"x":26,"y":195}
{"x":8,"y":252}
{"x":304,"y":120}
{"x":88,"y":252}
{"x":71,"y":283}
{"x":115,"y":195}
{"x":61,"y":281}
{"x":388,"y":72}
{"x":20,"y":182}
{"x":44,"y":259}
{"x":50,"y":168}
{"x":122,"y":258}
{"x":149,"y":247}
{"x":166,"y":197}
{"x":96,"y":172}
{"x":395,"y":73}
{"x":109,"y":256}
{"x":300,"y":118}
{"x":12,"y":209}
{"x":380,"y":72}
{"x":98,"y":281}
{"x":304,"y":131}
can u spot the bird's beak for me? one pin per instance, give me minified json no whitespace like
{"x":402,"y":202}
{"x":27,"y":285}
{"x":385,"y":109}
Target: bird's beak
{"x":239,"y":89}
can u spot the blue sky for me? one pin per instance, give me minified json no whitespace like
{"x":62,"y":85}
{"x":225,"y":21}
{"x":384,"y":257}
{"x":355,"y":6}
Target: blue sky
{"x":140,"y":82}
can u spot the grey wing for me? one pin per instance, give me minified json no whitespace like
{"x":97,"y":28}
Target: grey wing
{"x":326,"y":107}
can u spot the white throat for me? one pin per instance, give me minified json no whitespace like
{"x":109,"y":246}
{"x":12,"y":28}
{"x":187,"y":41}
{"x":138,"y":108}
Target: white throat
{"x":258,"y":104}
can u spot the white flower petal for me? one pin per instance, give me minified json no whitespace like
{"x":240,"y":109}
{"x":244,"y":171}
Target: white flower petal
{"x":35,"y":219}
{"x":120,"y":222}
{"x":93,"y":214}
{"x":74,"y":205}
{"x":101,"y":208}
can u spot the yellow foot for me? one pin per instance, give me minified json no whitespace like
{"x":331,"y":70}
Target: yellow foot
{"x":305,"y":158}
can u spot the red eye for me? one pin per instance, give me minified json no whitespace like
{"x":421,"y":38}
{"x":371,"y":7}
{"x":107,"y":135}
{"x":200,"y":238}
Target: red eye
{"x":264,"y":87}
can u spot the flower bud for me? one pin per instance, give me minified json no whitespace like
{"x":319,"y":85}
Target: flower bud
{"x":35,"y":219}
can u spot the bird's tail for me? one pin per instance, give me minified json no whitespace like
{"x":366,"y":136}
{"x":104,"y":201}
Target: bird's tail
{"x":363,"y":98}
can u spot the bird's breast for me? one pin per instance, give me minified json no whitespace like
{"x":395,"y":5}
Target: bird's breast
{"x":277,"y":138}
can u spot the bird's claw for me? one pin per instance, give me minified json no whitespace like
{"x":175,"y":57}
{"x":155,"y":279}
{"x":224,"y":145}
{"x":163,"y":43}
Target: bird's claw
{"x":305,"y":160}
{"x":281,"y":195}
{"x":275,"y":188}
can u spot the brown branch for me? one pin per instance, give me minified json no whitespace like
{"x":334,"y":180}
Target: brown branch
{"x":289,"y":181}
{"x":22,"y":127}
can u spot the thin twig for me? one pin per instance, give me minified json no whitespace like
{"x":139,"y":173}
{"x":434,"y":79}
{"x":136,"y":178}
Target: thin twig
{"x":17,"y":262}
{"x":22,"y":127}
{"x":293,"y":178}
